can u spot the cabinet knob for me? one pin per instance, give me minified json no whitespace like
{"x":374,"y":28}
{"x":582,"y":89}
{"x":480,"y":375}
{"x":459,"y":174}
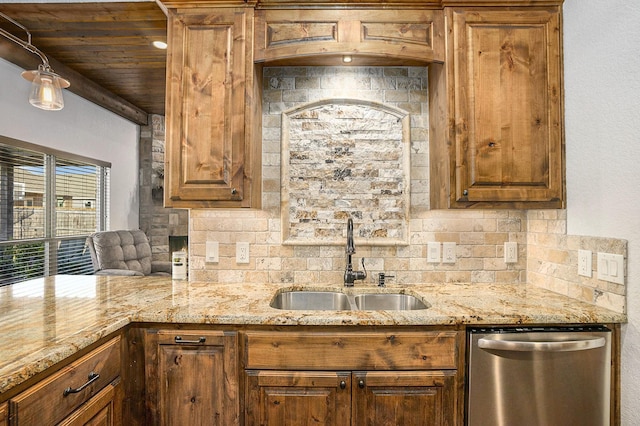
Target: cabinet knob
{"x":234,"y":191}
{"x":465,"y":192}
{"x":343,"y":384}
{"x":361,"y":384}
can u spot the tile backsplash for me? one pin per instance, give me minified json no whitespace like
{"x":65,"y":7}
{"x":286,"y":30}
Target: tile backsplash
{"x":547,"y":256}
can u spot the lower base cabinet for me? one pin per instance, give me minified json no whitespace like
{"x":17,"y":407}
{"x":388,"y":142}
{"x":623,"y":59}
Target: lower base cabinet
{"x":192,"y":378}
{"x":85,"y":392}
{"x":4,"y":414}
{"x":342,"y":398}
{"x":100,"y":410}
{"x":372,"y":378}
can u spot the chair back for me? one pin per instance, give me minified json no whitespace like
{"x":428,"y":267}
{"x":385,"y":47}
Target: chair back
{"x":124,"y":249}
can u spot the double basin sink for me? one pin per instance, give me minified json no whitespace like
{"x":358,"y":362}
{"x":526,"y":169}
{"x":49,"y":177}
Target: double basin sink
{"x":338,"y":301}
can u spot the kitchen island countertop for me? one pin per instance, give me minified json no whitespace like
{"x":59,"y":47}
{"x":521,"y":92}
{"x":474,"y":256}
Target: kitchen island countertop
{"x":44,"y":321}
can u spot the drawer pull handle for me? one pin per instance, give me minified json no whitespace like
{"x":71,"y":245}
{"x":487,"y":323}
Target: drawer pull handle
{"x":90,"y":379}
{"x":178,"y":339}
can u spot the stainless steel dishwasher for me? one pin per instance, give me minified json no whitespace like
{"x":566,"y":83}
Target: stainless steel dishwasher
{"x":539,"y":376}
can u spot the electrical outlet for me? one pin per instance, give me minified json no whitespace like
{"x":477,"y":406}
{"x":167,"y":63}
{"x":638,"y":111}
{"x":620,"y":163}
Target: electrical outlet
{"x":584,"y":263}
{"x":212,"y":252}
{"x":510,"y":252}
{"x":449,"y":252}
{"x":433,"y":252}
{"x":611,"y":267}
{"x":242,"y":252}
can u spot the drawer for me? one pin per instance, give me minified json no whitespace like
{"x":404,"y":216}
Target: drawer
{"x":49,"y":401}
{"x":351,"y":350}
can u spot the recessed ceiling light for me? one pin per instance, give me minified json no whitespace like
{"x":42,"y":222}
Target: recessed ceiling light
{"x":160,"y":44}
{"x":346,"y":59}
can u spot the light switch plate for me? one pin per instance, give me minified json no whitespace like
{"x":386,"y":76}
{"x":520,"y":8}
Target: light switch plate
{"x":584,"y":263}
{"x":510,"y":252}
{"x":212,"y":253}
{"x":611,"y":267}
{"x":449,"y":252}
{"x":433,"y":252}
{"x":242,"y":252}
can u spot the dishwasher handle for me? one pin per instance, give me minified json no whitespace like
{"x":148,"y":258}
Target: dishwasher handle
{"x":549,"y":346}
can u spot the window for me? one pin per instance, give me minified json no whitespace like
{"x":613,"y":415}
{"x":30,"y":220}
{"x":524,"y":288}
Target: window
{"x":50,"y":202}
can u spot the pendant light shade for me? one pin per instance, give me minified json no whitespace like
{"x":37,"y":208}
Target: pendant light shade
{"x":46,"y":89}
{"x":46,"y":85}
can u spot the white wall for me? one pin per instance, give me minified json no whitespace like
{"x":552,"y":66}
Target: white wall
{"x":81,"y":128}
{"x":602,"y":100}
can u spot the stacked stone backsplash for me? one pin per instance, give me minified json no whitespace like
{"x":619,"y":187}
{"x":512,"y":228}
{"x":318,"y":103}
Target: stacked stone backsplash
{"x":156,"y":221}
{"x":547,"y":256}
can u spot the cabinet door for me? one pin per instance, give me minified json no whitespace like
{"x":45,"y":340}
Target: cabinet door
{"x":298,"y":398}
{"x":409,"y":398}
{"x":4,"y":414}
{"x":207,"y":153}
{"x":506,"y":77}
{"x":192,"y":378}
{"x":101,"y":410}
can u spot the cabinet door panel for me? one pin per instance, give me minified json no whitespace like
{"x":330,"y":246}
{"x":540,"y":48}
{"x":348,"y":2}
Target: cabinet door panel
{"x":100,"y":410}
{"x":4,"y":414}
{"x":194,"y":379}
{"x":207,"y":78}
{"x":280,"y":398}
{"x":508,"y":112}
{"x":411,"y":398}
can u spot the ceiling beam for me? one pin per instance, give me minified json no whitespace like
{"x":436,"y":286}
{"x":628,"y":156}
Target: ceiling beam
{"x":80,"y":85}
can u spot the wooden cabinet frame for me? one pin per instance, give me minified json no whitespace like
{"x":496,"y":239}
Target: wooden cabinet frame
{"x":497,"y":110}
{"x":496,"y":141}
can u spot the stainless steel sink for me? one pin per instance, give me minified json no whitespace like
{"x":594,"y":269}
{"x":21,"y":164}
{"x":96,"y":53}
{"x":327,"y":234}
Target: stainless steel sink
{"x":337,"y":301}
{"x":388,"y":302}
{"x":312,"y":301}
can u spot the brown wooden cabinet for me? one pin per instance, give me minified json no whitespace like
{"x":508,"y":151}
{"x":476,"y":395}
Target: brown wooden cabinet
{"x":192,"y":377}
{"x":390,"y":35}
{"x":361,"y":398}
{"x":351,"y":378}
{"x":298,"y":398}
{"x":497,"y":110}
{"x":103,"y":409}
{"x":4,"y":414}
{"x":212,"y":155}
{"x":84,"y":392}
{"x":404,"y":398}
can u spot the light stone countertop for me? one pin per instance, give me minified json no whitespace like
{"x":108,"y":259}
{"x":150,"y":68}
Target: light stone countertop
{"x":44,"y":321}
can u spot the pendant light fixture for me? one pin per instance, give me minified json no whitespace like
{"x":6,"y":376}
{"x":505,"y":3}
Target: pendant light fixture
{"x":46,"y":85}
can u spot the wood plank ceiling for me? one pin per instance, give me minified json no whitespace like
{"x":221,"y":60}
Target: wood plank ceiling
{"x":104,"y":48}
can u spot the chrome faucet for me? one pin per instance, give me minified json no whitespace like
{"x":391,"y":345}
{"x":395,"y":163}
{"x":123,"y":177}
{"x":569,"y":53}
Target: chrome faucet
{"x":349,"y":274}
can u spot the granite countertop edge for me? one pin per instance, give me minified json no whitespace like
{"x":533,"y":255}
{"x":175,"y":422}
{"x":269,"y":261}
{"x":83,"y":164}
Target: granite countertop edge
{"x":120,"y":301}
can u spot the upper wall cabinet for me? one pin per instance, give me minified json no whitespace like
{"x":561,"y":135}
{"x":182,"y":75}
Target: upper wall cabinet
{"x":401,"y":35}
{"x":503,"y":83}
{"x":212,"y":155}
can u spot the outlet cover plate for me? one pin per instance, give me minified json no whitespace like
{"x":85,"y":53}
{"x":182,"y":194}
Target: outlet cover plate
{"x":449,"y":252}
{"x":242,"y":252}
{"x":510,"y":252}
{"x":585,"y":263}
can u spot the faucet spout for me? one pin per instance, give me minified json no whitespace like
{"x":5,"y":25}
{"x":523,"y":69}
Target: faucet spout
{"x":351,"y":248}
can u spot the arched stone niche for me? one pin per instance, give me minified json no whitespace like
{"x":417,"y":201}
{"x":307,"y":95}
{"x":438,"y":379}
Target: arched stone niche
{"x":345,"y":158}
